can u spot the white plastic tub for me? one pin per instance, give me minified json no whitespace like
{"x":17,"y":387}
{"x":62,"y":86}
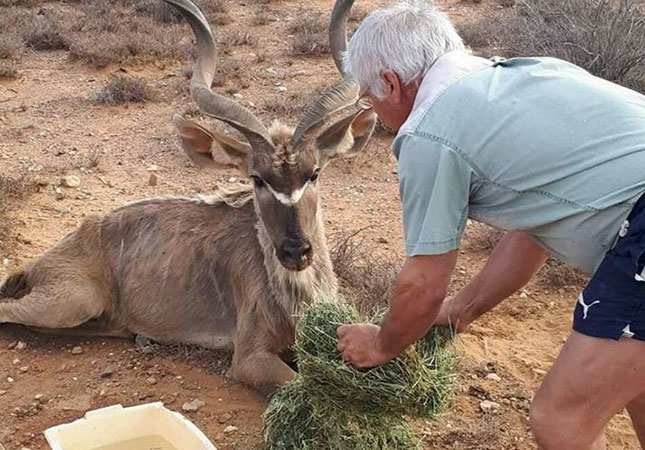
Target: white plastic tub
{"x":143,"y":427}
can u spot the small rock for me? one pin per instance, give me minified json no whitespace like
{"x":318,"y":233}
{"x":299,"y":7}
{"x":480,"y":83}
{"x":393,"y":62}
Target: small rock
{"x":382,"y":240}
{"x":77,"y":350}
{"x":2,"y":393}
{"x":487,"y":406}
{"x":21,"y":345}
{"x":154,"y":179}
{"x":232,"y":180}
{"x":107,"y":373}
{"x":152,"y":168}
{"x":282,"y":88}
{"x":238,"y":95}
{"x":16,"y":361}
{"x":102,"y":393}
{"x":493,"y":377}
{"x":59,"y":194}
{"x":230,"y":429}
{"x":223,"y":418}
{"x":24,"y":369}
{"x":151,"y":381}
{"x":71,"y":181}
{"x":10,"y":380}
{"x":40,"y":398}
{"x":195,"y":405}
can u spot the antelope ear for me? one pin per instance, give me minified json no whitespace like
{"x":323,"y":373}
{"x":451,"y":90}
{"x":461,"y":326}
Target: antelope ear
{"x":346,"y":137}
{"x":211,"y":150}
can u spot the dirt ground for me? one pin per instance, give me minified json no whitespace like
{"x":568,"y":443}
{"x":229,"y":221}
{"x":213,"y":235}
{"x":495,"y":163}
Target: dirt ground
{"x":49,"y":128}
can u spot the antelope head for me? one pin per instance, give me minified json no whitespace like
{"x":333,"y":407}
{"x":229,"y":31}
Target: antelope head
{"x":283,"y":163}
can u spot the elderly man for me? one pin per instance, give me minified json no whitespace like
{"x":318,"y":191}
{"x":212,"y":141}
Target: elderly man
{"x":535,"y":146}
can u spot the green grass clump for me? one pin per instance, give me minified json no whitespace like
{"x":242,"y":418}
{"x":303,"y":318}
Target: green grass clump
{"x":333,"y":405}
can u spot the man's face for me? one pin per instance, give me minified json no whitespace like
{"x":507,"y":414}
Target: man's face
{"x":394,"y":109}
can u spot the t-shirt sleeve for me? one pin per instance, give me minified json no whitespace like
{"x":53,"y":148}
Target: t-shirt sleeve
{"x":434,"y":184}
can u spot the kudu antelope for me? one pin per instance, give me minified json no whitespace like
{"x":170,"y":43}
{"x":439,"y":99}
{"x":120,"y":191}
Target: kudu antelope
{"x":224,"y":272}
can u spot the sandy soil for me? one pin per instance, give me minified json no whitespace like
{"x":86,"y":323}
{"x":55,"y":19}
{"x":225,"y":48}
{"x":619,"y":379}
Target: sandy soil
{"x":49,"y":128}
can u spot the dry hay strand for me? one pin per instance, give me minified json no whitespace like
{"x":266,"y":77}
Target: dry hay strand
{"x":333,"y":405}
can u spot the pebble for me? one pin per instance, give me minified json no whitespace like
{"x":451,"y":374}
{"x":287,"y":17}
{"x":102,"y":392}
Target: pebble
{"x":2,"y":393}
{"x":523,"y":295}
{"x":24,"y":369}
{"x":16,"y":361}
{"x":493,"y":377}
{"x":238,"y":95}
{"x":151,"y":381}
{"x":58,"y":193}
{"x":154,"y":179}
{"x":107,"y":373}
{"x":10,"y":380}
{"x":230,"y":429}
{"x":77,"y":350}
{"x":40,"y":398}
{"x":195,"y":405}
{"x":152,"y":168}
{"x":487,"y":406}
{"x":71,"y":181}
{"x":21,"y":345}
{"x":223,"y":418}
{"x":282,"y":88}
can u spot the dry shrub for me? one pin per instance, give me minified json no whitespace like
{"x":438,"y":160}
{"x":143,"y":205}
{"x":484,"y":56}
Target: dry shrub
{"x":606,"y":37}
{"x":121,"y":89}
{"x":43,"y":32}
{"x":367,"y":281}
{"x":309,"y":35}
{"x":8,"y":70}
{"x":13,"y":192}
{"x":557,"y":275}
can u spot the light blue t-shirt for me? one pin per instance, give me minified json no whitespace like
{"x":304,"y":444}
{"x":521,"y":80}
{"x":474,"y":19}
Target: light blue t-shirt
{"x":533,"y":144}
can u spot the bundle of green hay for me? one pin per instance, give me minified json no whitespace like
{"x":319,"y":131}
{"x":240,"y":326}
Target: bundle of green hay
{"x":332,"y":405}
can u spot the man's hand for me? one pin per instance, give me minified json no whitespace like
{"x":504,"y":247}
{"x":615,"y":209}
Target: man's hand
{"x":359,"y":345}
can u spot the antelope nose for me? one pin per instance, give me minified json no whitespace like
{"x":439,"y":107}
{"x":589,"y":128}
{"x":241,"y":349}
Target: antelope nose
{"x":296,"y":250}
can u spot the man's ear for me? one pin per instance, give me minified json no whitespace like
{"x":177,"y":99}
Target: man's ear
{"x":346,"y":137}
{"x":212,"y":150}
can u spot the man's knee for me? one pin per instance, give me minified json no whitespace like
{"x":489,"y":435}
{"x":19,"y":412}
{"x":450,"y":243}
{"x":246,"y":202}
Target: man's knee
{"x":551,"y":426}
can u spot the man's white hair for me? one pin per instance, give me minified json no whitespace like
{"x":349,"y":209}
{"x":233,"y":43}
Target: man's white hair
{"x":406,"y":38}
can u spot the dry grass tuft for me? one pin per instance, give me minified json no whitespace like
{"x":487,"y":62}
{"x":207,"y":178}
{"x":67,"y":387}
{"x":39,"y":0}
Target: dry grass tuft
{"x":236,"y":38}
{"x":13,"y":192}
{"x":605,"y":37}
{"x":309,"y":35}
{"x":262,"y":16}
{"x":366,"y":280}
{"x":10,"y":45}
{"x":8,"y":70}
{"x":121,"y":89}
{"x":290,"y":105}
{"x":158,"y":11}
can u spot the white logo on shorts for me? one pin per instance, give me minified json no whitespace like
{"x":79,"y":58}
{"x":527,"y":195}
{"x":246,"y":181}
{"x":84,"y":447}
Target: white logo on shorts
{"x":585,"y":308}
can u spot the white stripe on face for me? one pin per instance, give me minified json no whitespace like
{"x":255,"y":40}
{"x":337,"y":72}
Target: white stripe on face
{"x":288,"y":200}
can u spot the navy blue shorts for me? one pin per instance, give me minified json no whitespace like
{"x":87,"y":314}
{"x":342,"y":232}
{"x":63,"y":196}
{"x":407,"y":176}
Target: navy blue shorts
{"x":613,"y":303}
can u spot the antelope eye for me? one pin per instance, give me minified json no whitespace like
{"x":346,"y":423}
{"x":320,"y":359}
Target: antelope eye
{"x":314,"y":176}
{"x":257,"y":181}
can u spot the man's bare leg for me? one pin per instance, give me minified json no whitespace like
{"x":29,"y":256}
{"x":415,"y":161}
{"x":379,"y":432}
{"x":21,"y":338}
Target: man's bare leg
{"x":591,"y":381}
{"x":636,"y":409}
